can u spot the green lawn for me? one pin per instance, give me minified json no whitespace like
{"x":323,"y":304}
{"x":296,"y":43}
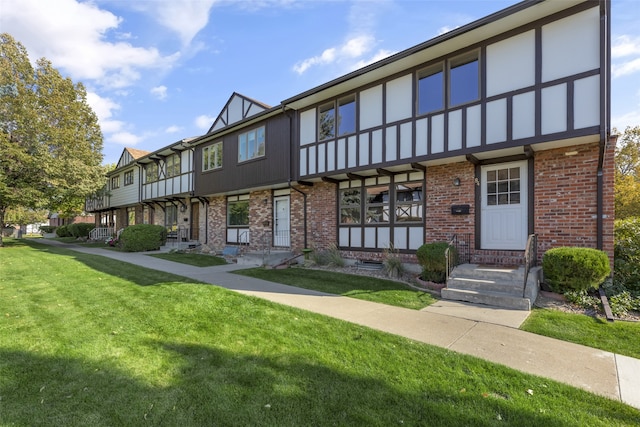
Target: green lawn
{"x":618,"y":337}
{"x":87,"y":340}
{"x":198,"y":260}
{"x":362,"y":287}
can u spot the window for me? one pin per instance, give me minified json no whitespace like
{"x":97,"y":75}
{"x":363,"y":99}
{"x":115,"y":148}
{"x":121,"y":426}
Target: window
{"x":115,"y":181}
{"x":350,"y":206}
{"x":171,"y":217}
{"x":347,"y":115}
{"x":128,"y":178}
{"x":345,"y":123}
{"x":131,"y":216}
{"x":409,"y":202}
{"x":238,"y":213}
{"x":503,"y":187}
{"x":212,"y":157}
{"x":430,"y":89}
{"x":251,"y":144}
{"x":172,"y":163}
{"x":151,"y":172}
{"x":377,"y":204}
{"x":464,"y":79}
{"x":147,"y":215}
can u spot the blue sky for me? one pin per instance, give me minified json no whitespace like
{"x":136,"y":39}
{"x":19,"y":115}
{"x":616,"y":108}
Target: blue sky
{"x":158,"y":71}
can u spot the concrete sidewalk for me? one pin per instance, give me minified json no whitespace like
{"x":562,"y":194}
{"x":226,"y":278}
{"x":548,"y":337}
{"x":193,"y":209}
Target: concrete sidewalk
{"x":482,"y":331}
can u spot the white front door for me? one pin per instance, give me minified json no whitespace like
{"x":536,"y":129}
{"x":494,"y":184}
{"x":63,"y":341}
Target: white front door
{"x":504,"y":206}
{"x":281,"y":223}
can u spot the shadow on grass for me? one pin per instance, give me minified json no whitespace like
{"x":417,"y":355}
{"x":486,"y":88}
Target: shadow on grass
{"x":216,"y":387}
{"x":134,"y":273}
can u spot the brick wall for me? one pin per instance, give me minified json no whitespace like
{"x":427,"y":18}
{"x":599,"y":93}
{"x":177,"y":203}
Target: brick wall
{"x":260,"y":219}
{"x":441,"y":193}
{"x":566,"y":197}
{"x":217,"y":222}
{"x":321,"y":216}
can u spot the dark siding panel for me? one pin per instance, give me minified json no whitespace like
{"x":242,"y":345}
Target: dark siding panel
{"x":273,"y":168}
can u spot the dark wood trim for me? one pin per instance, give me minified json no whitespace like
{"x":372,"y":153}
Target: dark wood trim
{"x":305,"y":183}
{"x":385,"y":172}
{"x":330,"y":180}
{"x":419,"y":167}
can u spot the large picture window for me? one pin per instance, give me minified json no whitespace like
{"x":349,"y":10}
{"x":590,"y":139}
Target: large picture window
{"x":464,"y":80}
{"x":337,"y":118}
{"x":377,"y":209}
{"x":251,"y":144}
{"x":151,"y":172}
{"x":173,"y":165}
{"x":350,"y":205}
{"x":409,"y":205}
{"x":238,"y":213}
{"x":212,"y":157}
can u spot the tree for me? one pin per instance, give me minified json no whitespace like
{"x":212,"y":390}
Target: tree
{"x":627,"y":174}
{"x":50,"y":140}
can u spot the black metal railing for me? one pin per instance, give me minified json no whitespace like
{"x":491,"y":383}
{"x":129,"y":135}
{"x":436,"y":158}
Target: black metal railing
{"x":530,"y":259}
{"x":462,"y":253}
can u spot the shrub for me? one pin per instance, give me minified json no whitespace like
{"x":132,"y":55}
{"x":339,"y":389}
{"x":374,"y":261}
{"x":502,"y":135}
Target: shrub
{"x":432,"y":260}
{"x":143,"y":237}
{"x":627,"y":254}
{"x":571,"y":268}
{"x":330,"y":256}
{"x":63,"y":231}
{"x":392,"y":263}
{"x":48,"y":228}
{"x":80,"y":229}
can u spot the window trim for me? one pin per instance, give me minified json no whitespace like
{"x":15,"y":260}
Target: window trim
{"x":459,"y":61}
{"x":115,"y":182}
{"x":128,"y":181}
{"x":233,"y":201}
{"x":335,"y":107}
{"x":428,"y":71}
{"x":155,"y":177}
{"x":172,"y":162}
{"x":206,"y":155}
{"x":257,"y":155}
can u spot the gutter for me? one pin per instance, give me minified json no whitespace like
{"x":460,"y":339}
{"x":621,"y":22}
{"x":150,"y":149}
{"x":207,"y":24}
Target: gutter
{"x":605,"y":84}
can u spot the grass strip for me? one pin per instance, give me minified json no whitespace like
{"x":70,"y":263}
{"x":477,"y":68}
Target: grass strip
{"x":618,"y":337}
{"x":350,"y":285}
{"x":85,"y":340}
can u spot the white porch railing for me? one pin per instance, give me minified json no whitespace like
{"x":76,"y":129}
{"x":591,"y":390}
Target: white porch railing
{"x":101,"y":233}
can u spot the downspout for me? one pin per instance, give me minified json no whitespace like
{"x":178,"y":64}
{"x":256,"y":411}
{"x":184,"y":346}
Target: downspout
{"x":304,"y":195}
{"x":605,"y":57}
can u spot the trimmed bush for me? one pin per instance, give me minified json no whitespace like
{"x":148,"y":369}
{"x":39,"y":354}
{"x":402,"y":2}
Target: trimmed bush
{"x":81,"y":229}
{"x":143,"y":237}
{"x":574,"y":269}
{"x":431,"y":259}
{"x":63,"y":231}
{"x":48,"y":228}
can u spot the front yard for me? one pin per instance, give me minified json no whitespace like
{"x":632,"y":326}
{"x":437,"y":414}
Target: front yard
{"x":87,"y":340}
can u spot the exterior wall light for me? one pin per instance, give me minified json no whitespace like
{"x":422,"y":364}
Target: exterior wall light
{"x":456,"y":182}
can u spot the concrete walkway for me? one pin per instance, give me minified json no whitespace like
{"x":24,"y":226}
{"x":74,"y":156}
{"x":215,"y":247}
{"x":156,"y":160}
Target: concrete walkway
{"x":486,"y":332}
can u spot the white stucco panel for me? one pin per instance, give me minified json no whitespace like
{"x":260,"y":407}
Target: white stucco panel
{"x":391,"y":144}
{"x":308,"y":127}
{"x":406,"y":140}
{"x":586,"y":102}
{"x":364,"y":149}
{"x":571,"y":45}
{"x":554,"y":109}
{"x":331,"y":156}
{"x":376,"y":146}
{"x":524,"y":113}
{"x":234,"y":110}
{"x":371,"y":107}
{"x":422,"y":130}
{"x":303,"y":161}
{"x":399,"y":97}
{"x":321,"y":157}
{"x":437,"y":134}
{"x":497,"y":121}
{"x":455,"y":130}
{"x":474,"y":126}
{"x":352,"y":144}
{"x":511,"y":64}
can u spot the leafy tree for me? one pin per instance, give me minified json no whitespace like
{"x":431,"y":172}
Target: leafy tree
{"x":627,"y":173}
{"x":50,"y":140}
{"x":23,"y":216}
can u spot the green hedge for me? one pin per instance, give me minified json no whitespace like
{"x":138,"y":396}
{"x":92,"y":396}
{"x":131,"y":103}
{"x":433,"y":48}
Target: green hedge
{"x":432,"y":260}
{"x":574,"y":269}
{"x":63,"y":231}
{"x":627,"y":253}
{"x":143,"y":237}
{"x":80,"y":229}
{"x":48,"y":228}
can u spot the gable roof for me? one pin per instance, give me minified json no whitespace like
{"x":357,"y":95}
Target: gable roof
{"x":237,"y":108}
{"x":129,"y":155}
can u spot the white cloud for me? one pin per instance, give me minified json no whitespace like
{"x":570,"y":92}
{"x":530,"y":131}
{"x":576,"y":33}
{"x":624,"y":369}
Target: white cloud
{"x":125,"y":138}
{"x":173,"y":129}
{"x":104,"y":108}
{"x":159,"y":92}
{"x":631,"y":118}
{"x":445,"y":29}
{"x":204,"y":121}
{"x":625,"y":68}
{"x":381,"y":54}
{"x":184,"y":17}
{"x":74,"y":37}
{"x":352,"y":48}
{"x":625,"y":46}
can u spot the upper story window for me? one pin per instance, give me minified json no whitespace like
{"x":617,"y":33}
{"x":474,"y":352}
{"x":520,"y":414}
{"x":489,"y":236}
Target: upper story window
{"x":151,"y":172}
{"x":212,"y":157}
{"x":464,"y":79}
{"x":128,"y":178}
{"x":251,"y":144}
{"x":172,"y":163}
{"x":115,"y":182}
{"x":431,"y":89}
{"x":331,"y":124}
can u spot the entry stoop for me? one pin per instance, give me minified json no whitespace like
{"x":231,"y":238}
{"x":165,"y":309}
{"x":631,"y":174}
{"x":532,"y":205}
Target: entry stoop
{"x":492,"y":285}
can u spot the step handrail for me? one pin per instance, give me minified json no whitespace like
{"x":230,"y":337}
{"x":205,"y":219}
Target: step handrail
{"x":530,"y":259}
{"x":448,"y":256}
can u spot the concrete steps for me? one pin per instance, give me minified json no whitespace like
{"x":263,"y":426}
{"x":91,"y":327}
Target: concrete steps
{"x":495,"y":286}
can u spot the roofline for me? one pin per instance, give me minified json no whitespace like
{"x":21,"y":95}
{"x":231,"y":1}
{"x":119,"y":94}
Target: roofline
{"x":518,"y":7}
